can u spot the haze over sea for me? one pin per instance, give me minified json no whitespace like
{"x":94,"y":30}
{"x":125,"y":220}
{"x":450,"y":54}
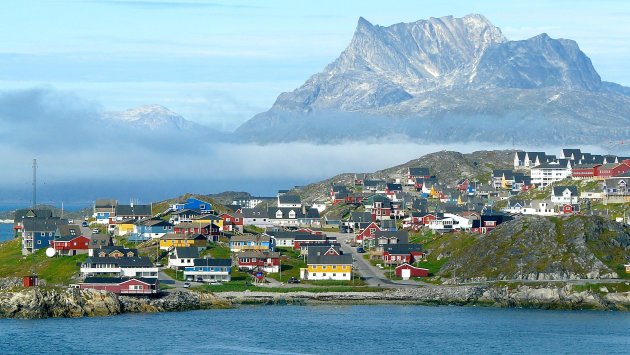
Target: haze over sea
{"x":327,"y":330}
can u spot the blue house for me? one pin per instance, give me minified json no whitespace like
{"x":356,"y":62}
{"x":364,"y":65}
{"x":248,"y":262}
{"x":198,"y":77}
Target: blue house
{"x":209,"y":270}
{"x":151,"y":229}
{"x":39,"y":233}
{"x":193,"y":204}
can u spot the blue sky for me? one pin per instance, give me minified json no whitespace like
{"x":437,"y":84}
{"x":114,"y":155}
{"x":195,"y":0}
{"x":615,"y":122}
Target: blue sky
{"x":220,"y":62}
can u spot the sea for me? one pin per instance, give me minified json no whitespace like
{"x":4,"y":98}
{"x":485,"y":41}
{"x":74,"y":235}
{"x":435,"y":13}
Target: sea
{"x":321,"y":329}
{"x":6,"y":231}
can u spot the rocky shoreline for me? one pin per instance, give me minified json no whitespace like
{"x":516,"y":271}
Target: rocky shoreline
{"x":45,"y":302}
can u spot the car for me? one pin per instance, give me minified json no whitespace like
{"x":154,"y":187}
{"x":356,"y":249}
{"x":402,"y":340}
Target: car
{"x":379,"y":266}
{"x":95,"y":231}
{"x":199,"y":279}
{"x":293,"y":280}
{"x":215,"y":283}
{"x":186,"y":284}
{"x":84,"y":224}
{"x":360,"y":250}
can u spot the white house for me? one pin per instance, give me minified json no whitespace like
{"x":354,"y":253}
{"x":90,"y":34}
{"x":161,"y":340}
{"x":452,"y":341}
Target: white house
{"x":545,"y":174}
{"x":539,"y":208}
{"x":209,"y":270}
{"x":450,"y":222}
{"x":564,"y":195}
{"x":180,"y":257}
{"x":289,"y":201}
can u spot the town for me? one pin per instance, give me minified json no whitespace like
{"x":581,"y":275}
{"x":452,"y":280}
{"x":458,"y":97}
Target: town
{"x":368,"y":232}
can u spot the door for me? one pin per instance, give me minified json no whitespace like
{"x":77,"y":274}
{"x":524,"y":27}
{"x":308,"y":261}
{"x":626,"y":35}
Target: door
{"x":406,"y":274}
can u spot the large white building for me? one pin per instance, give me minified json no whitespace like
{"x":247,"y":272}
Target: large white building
{"x":545,"y":174}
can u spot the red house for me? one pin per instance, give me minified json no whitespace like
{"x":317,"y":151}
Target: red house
{"x":122,"y":286}
{"x":367,"y":233}
{"x":407,"y":271}
{"x":401,"y":253}
{"x":463,"y":185}
{"x":427,"y":218}
{"x":193,"y":228}
{"x":232,"y":222}
{"x":258,"y":260}
{"x":585,"y":171}
{"x":609,"y":170}
{"x":570,"y":208}
{"x":71,"y":245}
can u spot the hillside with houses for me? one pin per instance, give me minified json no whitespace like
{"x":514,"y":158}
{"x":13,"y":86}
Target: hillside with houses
{"x":443,"y":218}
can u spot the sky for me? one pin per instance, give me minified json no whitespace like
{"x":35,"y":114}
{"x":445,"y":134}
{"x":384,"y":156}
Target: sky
{"x":221,"y":62}
{"x":218,"y":63}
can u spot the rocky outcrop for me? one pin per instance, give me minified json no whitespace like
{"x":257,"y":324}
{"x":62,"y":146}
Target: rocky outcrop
{"x":546,"y":297}
{"x":44,"y":302}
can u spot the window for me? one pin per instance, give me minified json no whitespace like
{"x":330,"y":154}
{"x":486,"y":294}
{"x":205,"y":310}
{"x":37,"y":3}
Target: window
{"x":334,"y":275}
{"x":39,"y":242}
{"x":324,"y":274}
{"x":344,"y":275}
{"x":324,"y":267}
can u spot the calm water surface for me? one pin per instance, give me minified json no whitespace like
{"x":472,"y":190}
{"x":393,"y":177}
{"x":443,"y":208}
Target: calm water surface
{"x":6,"y":231}
{"x":326,"y":330}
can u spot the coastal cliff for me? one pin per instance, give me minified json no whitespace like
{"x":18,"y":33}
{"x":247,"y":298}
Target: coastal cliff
{"x":45,"y":302}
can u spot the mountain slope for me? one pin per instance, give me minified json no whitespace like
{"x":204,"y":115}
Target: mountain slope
{"x":151,"y":117}
{"x":449,"y":79}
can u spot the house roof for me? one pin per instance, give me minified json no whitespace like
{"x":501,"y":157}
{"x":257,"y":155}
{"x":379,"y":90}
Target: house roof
{"x":135,"y":261}
{"x":250,"y":238}
{"x":186,"y":252}
{"x":402,"y":236}
{"x":155,"y":222}
{"x":373,"y":183}
{"x":391,"y":187}
{"x":343,"y":259}
{"x":112,"y":248}
{"x":208,"y":217}
{"x":571,"y":153}
{"x":68,"y":230}
{"x":289,"y":199}
{"x":39,"y":213}
{"x":255,"y":213}
{"x":43,"y":225}
{"x":260,"y":254}
{"x":118,"y":280}
{"x":559,"y":190}
{"x":186,"y":225}
{"x":100,"y":240}
{"x":178,"y":236}
{"x":105,"y":203}
{"x":133,"y":210}
{"x":212,"y":262}
{"x":402,"y":248}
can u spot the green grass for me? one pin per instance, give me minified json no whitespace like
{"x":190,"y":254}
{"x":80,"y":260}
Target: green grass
{"x":219,"y":251}
{"x":291,"y":262}
{"x":172,"y":273}
{"x":253,"y":229}
{"x":596,"y":287}
{"x":59,"y":270}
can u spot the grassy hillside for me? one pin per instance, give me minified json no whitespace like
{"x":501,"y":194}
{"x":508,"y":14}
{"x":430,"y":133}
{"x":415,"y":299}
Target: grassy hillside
{"x":537,"y":248}
{"x":56,"y":270}
{"x":161,"y":206}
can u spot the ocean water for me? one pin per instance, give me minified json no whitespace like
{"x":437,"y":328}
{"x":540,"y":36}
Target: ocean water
{"x":382,"y":329}
{"x":6,"y":231}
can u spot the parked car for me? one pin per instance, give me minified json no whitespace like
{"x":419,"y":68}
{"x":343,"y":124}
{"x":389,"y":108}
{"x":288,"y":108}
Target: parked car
{"x":96,"y":231}
{"x":186,"y":284}
{"x":360,"y":250}
{"x":84,"y":224}
{"x":293,"y":280}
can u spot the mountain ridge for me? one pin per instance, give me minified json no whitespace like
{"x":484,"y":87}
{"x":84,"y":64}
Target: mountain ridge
{"x":405,"y":79}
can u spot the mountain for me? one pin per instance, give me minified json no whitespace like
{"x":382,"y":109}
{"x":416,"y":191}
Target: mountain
{"x":151,"y":117}
{"x":449,"y":80}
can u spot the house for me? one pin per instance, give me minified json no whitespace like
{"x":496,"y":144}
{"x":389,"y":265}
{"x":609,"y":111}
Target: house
{"x":402,"y":253}
{"x":302,"y":241}
{"x":256,"y":217}
{"x":564,"y":195}
{"x":327,"y":265}
{"x":133,"y":212}
{"x":407,"y":271}
{"x":186,"y":215}
{"x":122,"y":286}
{"x":450,"y":222}
{"x":606,"y":171}
{"x":99,"y":241}
{"x":209,"y":270}
{"x":519,"y":160}
{"x":206,"y":229}
{"x":209,"y":218}
{"x":125,"y":227}
{"x":39,"y":233}
{"x":359,"y":178}
{"x":118,"y":266}
{"x":374,"y":186}
{"x":104,"y":210}
{"x":379,"y":207}
{"x":258,"y":260}
{"x":392,"y":189}
{"x":585,"y":171}
{"x":571,"y":154}
{"x":540,"y":208}
{"x":294,"y":217}
{"x":180,"y":257}
{"x":391,"y":237}
{"x":627,"y":266}
{"x":501,"y":178}
{"x":547,"y":173}
{"x":417,"y":173}
{"x":195,"y":204}
{"x":367,"y":233}
{"x":289,"y":201}
{"x":250,"y":242}
{"x":487,"y":223}
{"x":569,"y":208}
{"x":29,"y":213}
{"x":173,"y":240}
{"x":232,"y":222}
{"x":151,"y":229}
{"x":251,"y":202}
{"x":533,"y":159}
{"x":69,"y":240}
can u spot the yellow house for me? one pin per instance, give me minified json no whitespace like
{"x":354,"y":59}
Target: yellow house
{"x":327,"y":264}
{"x":210,"y":218}
{"x":124,"y":228}
{"x":627,"y":268}
{"x":434,"y":193}
{"x":182,"y":240}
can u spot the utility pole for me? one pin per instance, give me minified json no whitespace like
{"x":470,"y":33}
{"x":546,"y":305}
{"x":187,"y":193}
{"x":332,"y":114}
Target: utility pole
{"x":520,"y":265}
{"x":34,"y":183}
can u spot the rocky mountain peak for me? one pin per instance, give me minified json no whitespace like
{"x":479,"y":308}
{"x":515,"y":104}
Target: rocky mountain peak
{"x":153,"y":117}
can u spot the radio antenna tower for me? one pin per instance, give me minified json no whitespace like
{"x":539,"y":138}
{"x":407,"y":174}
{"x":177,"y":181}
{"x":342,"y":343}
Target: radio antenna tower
{"x":34,"y":183}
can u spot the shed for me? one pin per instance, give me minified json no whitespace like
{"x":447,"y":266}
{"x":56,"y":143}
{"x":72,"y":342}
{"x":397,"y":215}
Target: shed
{"x":407,"y":271}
